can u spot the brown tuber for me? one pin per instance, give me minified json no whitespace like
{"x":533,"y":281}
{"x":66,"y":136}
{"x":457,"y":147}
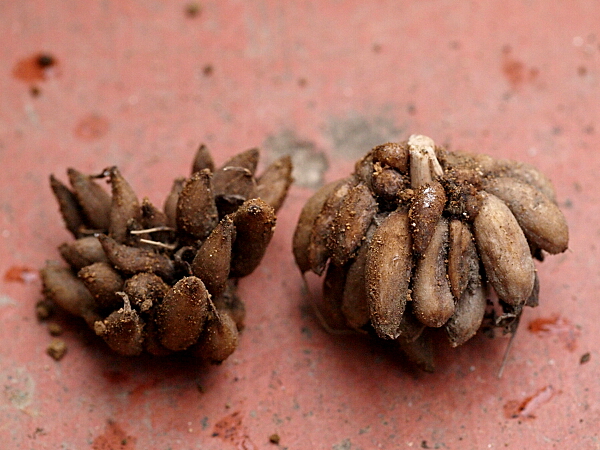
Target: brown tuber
{"x":157,"y":281}
{"x":416,"y":238}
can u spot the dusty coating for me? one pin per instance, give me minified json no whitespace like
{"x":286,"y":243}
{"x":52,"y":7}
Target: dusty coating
{"x":202,"y":160}
{"x":122,"y":330}
{"x":463,"y":261}
{"x":82,"y":252}
{"x":468,"y":315}
{"x":350,"y":223}
{"x":196,"y":209}
{"x":393,"y":155}
{"x":355,"y":306}
{"x":213,"y":260}
{"x":170,"y":206}
{"x":424,"y":214}
{"x":181,"y":315}
{"x":504,"y":251}
{"x":234,"y":181}
{"x":304,"y":228}
{"x":103,"y":282}
{"x":442,"y":229}
{"x":152,"y":280}
{"x":70,"y":209}
{"x":219,"y":338}
{"x":433,"y":303}
{"x":318,"y":249}
{"x":145,"y":290}
{"x":387,"y":274}
{"x":541,"y":220}
{"x":132,"y":260}
{"x":275,"y":182}
{"x":93,"y":199}
{"x":125,"y":206}
{"x":254,"y":224}
{"x":65,"y":289}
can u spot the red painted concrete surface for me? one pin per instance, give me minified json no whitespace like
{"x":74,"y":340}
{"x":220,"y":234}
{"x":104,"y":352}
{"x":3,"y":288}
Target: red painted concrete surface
{"x":141,"y":84}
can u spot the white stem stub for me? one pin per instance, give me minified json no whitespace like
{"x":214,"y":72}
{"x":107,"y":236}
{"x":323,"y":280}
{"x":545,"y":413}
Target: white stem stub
{"x":424,"y":165}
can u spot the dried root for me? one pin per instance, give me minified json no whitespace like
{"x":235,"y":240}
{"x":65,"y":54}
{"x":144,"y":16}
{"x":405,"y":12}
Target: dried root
{"x":416,"y":238}
{"x":162,"y":281}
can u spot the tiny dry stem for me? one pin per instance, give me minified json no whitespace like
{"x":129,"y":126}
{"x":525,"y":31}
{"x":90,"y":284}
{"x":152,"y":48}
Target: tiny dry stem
{"x":159,"y":244}
{"x":237,"y":169}
{"x":153,"y":230}
{"x":506,"y":352}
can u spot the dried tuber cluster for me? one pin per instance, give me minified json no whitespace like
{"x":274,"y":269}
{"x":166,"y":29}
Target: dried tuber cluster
{"x":162,"y":281}
{"x":416,"y":238}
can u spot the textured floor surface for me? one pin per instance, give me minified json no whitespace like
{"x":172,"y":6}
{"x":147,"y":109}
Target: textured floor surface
{"x":141,"y":84}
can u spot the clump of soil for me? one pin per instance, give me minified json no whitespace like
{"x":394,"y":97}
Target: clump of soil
{"x":163,"y":280}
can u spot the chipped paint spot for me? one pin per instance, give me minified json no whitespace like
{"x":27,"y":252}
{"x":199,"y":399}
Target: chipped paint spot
{"x":5,"y":300}
{"x":355,"y":135}
{"x":18,"y":387}
{"x":309,"y":163}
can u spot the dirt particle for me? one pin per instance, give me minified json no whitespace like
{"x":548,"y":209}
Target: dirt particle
{"x":192,"y":9}
{"x":57,"y":349}
{"x":55,"y":329}
{"x":309,"y":163}
{"x":21,"y":274}
{"x":585,"y":358}
{"x":114,"y":438}
{"x":274,"y":439}
{"x":37,"y":67}
{"x":208,"y":70}
{"x":230,"y":429}
{"x":43,"y":309}
{"x":91,"y":127}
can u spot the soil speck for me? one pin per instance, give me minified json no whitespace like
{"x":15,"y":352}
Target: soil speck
{"x":43,"y":309}
{"x":192,"y":9}
{"x":55,"y":329}
{"x":230,"y":429}
{"x":57,"y":349}
{"x":585,"y":358}
{"x":114,"y":438}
